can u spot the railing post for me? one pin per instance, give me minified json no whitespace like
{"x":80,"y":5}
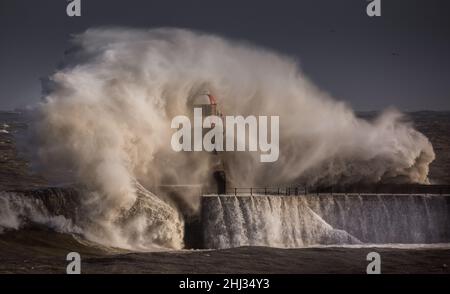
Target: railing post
{"x":265,"y":191}
{"x":251,"y":191}
{"x":235,"y":191}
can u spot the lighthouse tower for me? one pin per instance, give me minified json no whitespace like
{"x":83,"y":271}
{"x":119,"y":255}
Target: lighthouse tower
{"x":217,"y":180}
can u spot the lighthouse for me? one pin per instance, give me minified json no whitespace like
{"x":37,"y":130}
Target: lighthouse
{"x":217,"y":180}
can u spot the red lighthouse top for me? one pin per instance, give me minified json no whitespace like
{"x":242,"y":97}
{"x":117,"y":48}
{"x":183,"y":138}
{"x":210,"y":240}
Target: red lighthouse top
{"x":212,"y":99}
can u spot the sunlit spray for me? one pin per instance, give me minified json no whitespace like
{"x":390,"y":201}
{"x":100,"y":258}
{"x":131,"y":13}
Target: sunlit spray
{"x":107,"y":119}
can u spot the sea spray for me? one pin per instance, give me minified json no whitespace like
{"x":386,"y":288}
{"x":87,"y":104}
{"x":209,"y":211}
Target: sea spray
{"x":106,"y":115}
{"x":299,"y":221}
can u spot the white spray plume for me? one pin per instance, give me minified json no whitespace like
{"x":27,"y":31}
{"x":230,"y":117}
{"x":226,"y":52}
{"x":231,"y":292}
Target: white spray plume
{"x":108,"y":119}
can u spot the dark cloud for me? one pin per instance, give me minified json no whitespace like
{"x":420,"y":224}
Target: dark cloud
{"x":398,"y":59}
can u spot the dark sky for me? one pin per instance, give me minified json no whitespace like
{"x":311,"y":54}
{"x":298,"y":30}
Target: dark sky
{"x":399,"y":59}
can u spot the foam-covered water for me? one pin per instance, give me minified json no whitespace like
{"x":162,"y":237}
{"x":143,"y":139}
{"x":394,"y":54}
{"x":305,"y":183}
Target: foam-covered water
{"x":150,"y":224}
{"x":105,"y":123}
{"x":298,"y":221}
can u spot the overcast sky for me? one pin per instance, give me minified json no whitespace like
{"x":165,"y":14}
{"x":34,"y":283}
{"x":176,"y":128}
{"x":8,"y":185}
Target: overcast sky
{"x":399,"y":59}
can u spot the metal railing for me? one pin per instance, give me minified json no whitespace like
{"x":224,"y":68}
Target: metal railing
{"x":287,"y":191}
{"x":339,"y":190}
